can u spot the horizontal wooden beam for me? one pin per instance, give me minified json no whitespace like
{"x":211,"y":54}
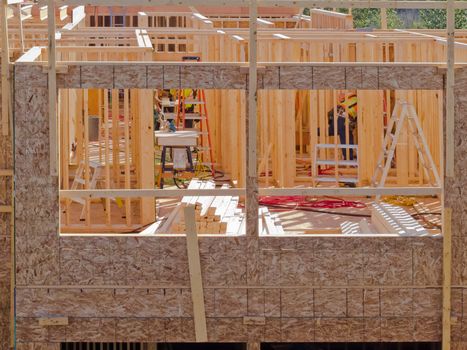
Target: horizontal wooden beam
{"x":274,"y":3}
{"x":274,"y":76}
{"x":302,"y":191}
{"x":53,"y":321}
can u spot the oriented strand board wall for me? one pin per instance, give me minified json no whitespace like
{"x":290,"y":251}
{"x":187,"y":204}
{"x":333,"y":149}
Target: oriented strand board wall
{"x":456,"y":198}
{"x":6,"y":162}
{"x":137,"y":289}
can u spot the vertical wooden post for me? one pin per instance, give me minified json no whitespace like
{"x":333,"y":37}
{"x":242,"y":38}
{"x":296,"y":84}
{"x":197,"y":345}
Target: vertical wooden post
{"x":87,"y":178}
{"x":196,"y":280}
{"x":115,"y":138}
{"x":145,"y":151}
{"x":447,"y":259}
{"x":107,"y":155}
{"x":251,"y":171}
{"x":126,"y":120}
{"x":21,"y":32}
{"x":450,"y":26}
{"x":5,"y":69}
{"x":52,"y":88}
{"x":253,"y":346}
{"x":384,"y":18}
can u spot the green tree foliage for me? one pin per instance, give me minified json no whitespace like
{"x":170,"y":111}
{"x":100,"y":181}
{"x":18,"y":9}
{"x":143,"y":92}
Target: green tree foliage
{"x":371,"y":18}
{"x":436,"y":19}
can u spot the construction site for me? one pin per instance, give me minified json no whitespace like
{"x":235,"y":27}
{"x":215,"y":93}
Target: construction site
{"x":235,"y":175}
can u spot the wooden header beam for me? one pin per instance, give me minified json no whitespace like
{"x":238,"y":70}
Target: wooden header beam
{"x":301,"y":191}
{"x":275,"y":3}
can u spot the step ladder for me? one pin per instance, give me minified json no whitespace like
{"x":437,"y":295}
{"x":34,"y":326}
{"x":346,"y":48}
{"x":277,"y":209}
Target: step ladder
{"x":336,"y":163}
{"x":199,"y":118}
{"x":96,"y":172}
{"x":404,"y":111}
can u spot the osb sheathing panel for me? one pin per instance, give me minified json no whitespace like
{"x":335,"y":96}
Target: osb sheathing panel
{"x":455,"y":198}
{"x":133,"y":289}
{"x":36,"y":196}
{"x":6,"y":162}
{"x":219,"y":76}
{"x":228,"y":329}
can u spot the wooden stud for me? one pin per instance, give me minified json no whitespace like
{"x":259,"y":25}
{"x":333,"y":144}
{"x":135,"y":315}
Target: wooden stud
{"x":126,"y":121}
{"x":52,"y":88}
{"x":196,"y":280}
{"x":5,"y":69}
{"x":107,"y":154}
{"x":450,"y":82}
{"x":447,"y":272}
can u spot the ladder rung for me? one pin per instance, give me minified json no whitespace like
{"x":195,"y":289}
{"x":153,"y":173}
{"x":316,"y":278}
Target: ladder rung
{"x":6,"y":209}
{"x":193,"y":102}
{"x":80,"y":181}
{"x":333,"y":179}
{"x":6,"y":172}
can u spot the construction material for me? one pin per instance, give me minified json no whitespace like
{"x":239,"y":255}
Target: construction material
{"x":389,"y":219}
{"x":350,"y":228}
{"x":217,"y":214}
{"x":214,"y":214}
{"x":196,"y":280}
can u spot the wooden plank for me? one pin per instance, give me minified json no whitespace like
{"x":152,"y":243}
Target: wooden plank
{"x":401,"y":4}
{"x":107,"y":155}
{"x":196,"y":281}
{"x":450,"y":98}
{"x":115,"y":138}
{"x":289,"y":191}
{"x":87,"y":205}
{"x":145,"y":152}
{"x":251,"y":126}
{"x":447,"y":273}
{"x":52,"y":88}
{"x":5,"y":69}
{"x":126,"y":122}
{"x":53,"y":321}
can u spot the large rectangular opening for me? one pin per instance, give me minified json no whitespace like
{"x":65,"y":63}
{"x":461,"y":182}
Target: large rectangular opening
{"x":311,"y":144}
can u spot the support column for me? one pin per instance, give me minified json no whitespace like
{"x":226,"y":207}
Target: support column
{"x":450,"y":172}
{"x":5,"y":69}
{"x":52,"y":66}
{"x":253,"y":346}
{"x":7,"y":279}
{"x":251,"y":168}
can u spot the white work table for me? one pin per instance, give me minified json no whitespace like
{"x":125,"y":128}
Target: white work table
{"x":177,"y":138}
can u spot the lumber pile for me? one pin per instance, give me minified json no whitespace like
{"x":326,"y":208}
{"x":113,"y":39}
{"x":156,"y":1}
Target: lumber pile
{"x":391,"y":218}
{"x":353,"y":228}
{"x":213,"y":214}
{"x":217,"y":214}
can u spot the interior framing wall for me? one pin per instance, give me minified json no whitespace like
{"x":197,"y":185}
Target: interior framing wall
{"x":302,"y":288}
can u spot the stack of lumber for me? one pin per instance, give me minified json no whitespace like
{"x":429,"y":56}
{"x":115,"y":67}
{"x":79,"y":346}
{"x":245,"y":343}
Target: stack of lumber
{"x":355,"y":228}
{"x":213,"y":214}
{"x":217,"y":214}
{"x":269,"y":223}
{"x":389,"y":218}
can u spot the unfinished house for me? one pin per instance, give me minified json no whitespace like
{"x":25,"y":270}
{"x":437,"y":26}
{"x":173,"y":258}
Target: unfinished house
{"x":231,"y":175}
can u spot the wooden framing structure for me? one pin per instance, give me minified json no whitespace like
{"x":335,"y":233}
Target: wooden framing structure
{"x":352,"y":289}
